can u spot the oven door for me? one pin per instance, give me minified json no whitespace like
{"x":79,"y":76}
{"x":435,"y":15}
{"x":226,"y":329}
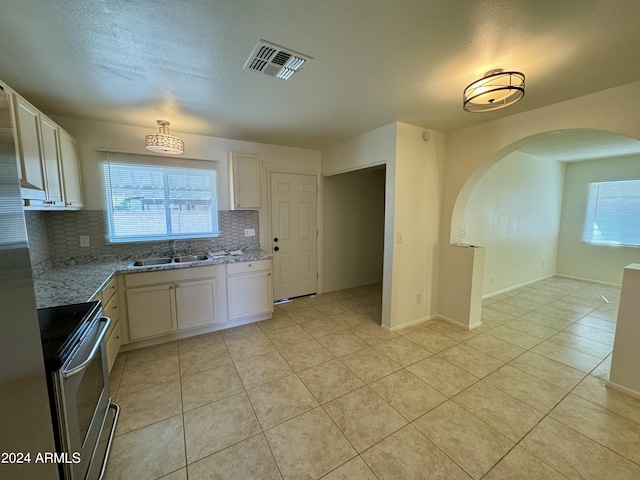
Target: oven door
{"x":82,"y":397}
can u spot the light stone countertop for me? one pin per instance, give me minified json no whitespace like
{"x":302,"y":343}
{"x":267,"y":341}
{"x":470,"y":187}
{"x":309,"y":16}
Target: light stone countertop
{"x":68,"y":284}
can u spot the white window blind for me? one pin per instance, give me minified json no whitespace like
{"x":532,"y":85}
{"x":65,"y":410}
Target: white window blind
{"x":613,"y":213}
{"x":158,"y":198}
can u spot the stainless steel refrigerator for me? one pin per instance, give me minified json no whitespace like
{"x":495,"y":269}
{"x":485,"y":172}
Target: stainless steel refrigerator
{"x":25,"y":425}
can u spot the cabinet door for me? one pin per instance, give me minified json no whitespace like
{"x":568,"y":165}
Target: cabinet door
{"x":71,"y":177}
{"x":196,"y":303}
{"x":244,"y":181}
{"x":151,"y":310}
{"x":249,"y":294}
{"x":14,"y":123}
{"x":27,"y":123}
{"x":51,"y":161}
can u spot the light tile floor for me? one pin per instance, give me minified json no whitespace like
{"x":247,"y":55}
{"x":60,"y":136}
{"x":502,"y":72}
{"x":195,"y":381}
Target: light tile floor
{"x":321,"y":391}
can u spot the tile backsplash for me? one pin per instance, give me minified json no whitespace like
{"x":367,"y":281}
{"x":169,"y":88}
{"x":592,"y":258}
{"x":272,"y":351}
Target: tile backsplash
{"x":38,"y":237}
{"x":56,"y":235}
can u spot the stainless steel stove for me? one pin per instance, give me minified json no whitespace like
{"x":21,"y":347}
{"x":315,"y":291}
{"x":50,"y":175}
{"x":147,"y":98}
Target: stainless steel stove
{"x":78,"y":381}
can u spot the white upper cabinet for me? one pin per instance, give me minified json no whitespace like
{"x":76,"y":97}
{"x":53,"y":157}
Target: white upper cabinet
{"x":51,"y":162}
{"x":244,"y":181}
{"x":28,"y":133}
{"x":71,"y":177}
{"x":47,"y":158}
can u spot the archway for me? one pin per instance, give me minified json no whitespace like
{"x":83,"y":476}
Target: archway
{"x":520,"y":204}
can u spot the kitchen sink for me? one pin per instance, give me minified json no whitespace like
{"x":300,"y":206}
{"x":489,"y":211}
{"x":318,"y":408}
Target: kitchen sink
{"x":151,"y":262}
{"x":191,"y":258}
{"x":148,"y":262}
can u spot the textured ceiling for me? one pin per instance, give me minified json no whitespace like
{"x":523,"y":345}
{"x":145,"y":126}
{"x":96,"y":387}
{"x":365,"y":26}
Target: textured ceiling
{"x":375,"y":61}
{"x":580,"y":144}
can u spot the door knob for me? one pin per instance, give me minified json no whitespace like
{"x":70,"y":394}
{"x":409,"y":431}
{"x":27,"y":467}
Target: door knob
{"x":275,"y":239}
{"x":275,"y":249}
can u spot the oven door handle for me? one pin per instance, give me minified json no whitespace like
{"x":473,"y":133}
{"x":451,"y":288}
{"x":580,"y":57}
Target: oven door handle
{"x":84,"y":365}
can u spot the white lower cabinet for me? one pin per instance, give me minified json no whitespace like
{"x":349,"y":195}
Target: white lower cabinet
{"x":196,"y":303}
{"x":169,"y":301}
{"x":249,"y":295}
{"x":113,"y":344}
{"x":249,"y":289}
{"x":173,"y":303}
{"x":111,"y":309}
{"x":151,"y":311}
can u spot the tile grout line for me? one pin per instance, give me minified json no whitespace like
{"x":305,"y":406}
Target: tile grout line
{"x":402,"y":367}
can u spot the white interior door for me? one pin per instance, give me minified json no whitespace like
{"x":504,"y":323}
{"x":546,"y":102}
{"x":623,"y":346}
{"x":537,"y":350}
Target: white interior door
{"x":294,"y":235}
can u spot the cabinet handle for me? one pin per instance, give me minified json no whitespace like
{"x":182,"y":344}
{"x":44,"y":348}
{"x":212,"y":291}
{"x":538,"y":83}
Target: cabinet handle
{"x":177,"y":285}
{"x":249,"y":266}
{"x":170,"y":287}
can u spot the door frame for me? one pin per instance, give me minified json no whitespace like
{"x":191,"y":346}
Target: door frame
{"x":319,"y":219}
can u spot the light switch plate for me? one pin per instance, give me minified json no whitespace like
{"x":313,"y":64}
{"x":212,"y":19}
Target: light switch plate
{"x":249,"y":232}
{"x":84,"y":241}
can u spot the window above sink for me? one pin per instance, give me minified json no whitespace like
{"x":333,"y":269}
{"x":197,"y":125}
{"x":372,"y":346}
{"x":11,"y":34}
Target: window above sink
{"x":155,"y":199}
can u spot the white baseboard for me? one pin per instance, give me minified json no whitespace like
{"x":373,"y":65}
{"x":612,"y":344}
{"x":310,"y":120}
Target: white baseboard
{"x":409,"y":324}
{"x":459,"y":324}
{"x":623,"y":389}
{"x":513,"y":287}
{"x":590,"y":280}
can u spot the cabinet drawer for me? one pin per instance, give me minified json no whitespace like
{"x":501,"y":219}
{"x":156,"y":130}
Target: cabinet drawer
{"x":248,"y":267}
{"x":169,"y":276}
{"x":108,"y":291}
{"x":112,"y":310}
{"x":113,"y":344}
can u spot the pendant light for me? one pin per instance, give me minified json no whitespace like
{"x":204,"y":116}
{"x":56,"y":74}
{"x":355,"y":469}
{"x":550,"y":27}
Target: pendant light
{"x":162,"y":142}
{"x":497,"y":89}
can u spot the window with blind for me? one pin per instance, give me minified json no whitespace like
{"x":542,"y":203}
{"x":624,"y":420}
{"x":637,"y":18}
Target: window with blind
{"x":613,"y":213}
{"x":153,"y":198}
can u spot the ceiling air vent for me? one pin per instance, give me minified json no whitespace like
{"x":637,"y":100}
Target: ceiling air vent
{"x":275,"y":60}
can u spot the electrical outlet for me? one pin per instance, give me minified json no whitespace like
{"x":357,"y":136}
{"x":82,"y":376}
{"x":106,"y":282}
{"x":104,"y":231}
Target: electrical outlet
{"x":400,"y":238}
{"x":542,"y":264}
{"x":419,"y":298}
{"x":84,"y":241}
{"x":493,"y":280}
{"x":249,"y":232}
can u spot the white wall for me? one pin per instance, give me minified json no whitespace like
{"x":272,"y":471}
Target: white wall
{"x":514,"y":213}
{"x":576,"y":258}
{"x":472,"y":151}
{"x":412,"y":207}
{"x":372,"y":148}
{"x":353,"y":228}
{"x":92,"y":135}
{"x":418,"y":180}
{"x":377,"y":147}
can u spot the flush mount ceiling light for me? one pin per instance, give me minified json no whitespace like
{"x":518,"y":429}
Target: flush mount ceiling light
{"x":497,"y":89}
{"x":162,"y":142}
